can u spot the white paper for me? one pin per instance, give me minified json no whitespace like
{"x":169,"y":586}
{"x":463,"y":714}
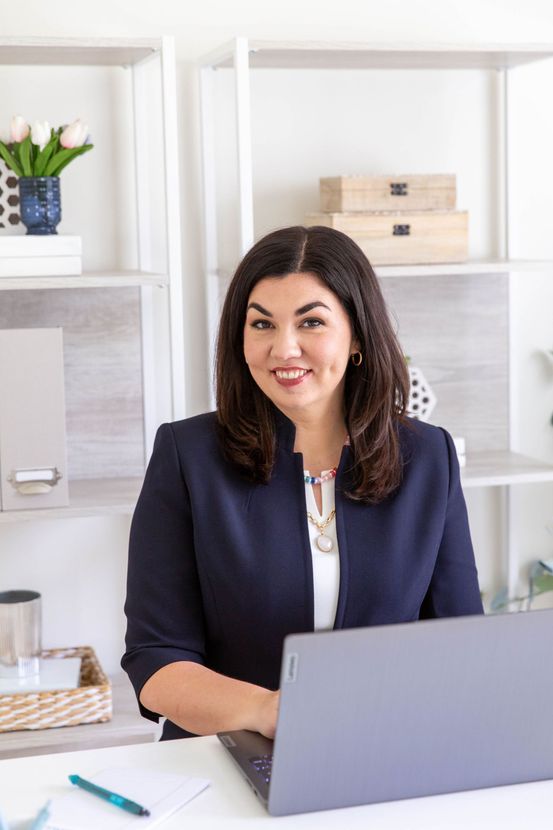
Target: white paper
{"x":55,"y":674}
{"x":161,"y":793}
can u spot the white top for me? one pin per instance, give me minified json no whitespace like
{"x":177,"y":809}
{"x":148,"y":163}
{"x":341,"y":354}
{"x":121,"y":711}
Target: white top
{"x":326,"y":566}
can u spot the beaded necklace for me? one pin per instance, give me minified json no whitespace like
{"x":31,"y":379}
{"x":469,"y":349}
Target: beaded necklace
{"x":327,"y":476}
{"x":319,"y":479}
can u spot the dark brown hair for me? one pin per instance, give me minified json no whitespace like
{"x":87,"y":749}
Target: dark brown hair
{"x":376,"y":392}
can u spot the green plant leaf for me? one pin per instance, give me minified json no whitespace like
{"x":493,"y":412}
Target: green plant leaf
{"x":10,"y":160}
{"x":77,"y":151}
{"x":543,"y":583}
{"x":44,"y":156}
{"x":62,"y":158}
{"x":25,"y":156}
{"x":15,"y":151}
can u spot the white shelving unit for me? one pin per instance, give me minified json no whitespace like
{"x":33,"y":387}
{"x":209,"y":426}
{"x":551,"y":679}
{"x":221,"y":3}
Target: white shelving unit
{"x":161,"y":291}
{"x":157,"y":279}
{"x":485,"y":469}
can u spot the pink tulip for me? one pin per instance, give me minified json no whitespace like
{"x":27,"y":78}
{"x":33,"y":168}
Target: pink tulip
{"x":74,"y":134}
{"x":19,"y":128}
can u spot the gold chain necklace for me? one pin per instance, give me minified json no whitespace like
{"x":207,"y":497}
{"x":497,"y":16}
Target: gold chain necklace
{"x":323,"y":542}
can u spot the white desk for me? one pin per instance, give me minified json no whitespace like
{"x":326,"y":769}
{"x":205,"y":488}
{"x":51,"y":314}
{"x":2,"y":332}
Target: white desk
{"x":26,"y":783}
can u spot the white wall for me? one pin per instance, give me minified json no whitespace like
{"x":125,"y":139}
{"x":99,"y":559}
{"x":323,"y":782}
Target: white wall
{"x":79,"y":564}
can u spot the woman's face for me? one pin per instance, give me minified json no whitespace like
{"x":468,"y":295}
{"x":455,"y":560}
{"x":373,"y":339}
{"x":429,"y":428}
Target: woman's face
{"x":297,"y":343}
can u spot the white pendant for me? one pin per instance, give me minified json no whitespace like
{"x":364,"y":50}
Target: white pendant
{"x":324,"y":543}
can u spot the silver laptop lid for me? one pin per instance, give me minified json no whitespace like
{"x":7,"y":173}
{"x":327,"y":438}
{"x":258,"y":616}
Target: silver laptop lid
{"x":397,"y":711}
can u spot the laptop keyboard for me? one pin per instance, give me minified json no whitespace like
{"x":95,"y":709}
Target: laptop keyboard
{"x":263,"y":764}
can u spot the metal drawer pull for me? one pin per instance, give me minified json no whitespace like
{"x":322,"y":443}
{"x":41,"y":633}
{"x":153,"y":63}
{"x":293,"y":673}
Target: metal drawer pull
{"x":399,"y":189}
{"x":34,"y":482}
{"x":402,"y":230}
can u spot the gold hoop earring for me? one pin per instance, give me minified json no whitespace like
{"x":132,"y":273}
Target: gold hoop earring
{"x":357,"y":358}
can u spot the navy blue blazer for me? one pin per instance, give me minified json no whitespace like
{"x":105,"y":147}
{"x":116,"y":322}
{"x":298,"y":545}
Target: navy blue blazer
{"x":220,"y":569}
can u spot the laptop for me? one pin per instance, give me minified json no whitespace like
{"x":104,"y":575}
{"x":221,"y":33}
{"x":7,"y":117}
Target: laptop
{"x":399,"y":711}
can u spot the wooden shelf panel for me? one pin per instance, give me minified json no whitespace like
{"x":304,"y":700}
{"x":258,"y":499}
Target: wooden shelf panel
{"x":127,"y":726}
{"x":39,"y":51}
{"x":89,"y":279}
{"x":492,"y":469}
{"x":336,"y":55}
{"x":88,"y":497}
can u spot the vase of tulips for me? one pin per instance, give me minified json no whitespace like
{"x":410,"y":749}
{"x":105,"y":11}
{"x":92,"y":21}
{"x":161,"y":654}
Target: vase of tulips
{"x":37,"y":154}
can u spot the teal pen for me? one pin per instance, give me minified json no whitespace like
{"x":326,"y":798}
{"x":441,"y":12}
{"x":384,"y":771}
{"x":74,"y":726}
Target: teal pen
{"x":113,"y":798}
{"x":41,"y":817}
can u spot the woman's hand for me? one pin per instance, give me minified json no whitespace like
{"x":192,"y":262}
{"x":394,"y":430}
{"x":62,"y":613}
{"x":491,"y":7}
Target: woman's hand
{"x":265,"y":718}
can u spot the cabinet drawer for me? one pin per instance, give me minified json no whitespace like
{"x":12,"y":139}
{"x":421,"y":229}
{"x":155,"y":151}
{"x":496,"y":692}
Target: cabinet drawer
{"x":367,"y":193}
{"x":403,"y":238}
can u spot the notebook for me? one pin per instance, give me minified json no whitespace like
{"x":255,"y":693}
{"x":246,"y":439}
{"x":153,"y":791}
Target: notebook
{"x":161,"y":793}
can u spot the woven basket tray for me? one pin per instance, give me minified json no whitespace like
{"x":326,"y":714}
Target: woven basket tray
{"x":89,"y":703}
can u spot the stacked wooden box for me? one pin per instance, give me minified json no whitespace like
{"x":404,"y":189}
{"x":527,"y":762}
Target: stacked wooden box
{"x":396,"y":220}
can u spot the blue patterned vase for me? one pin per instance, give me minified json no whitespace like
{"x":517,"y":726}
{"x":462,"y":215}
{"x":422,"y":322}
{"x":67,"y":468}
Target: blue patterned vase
{"x":39,"y":203}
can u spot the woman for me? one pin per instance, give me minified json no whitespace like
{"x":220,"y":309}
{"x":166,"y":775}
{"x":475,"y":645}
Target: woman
{"x":307,"y":500}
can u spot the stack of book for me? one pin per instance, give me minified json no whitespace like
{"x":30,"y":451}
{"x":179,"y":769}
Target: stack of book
{"x":396,"y":220}
{"x":40,"y":256}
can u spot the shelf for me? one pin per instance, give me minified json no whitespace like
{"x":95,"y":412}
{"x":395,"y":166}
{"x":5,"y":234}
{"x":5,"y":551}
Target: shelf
{"x":90,"y":279}
{"x":39,"y":51}
{"x":118,"y":496}
{"x":127,"y":726}
{"x":497,"y":468}
{"x":472,"y":267}
{"x":444,"y":284}
{"x":88,"y":497}
{"x":325,"y":55}
{"x":455,"y":269}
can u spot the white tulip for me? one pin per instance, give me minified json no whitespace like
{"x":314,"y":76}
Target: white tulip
{"x":40,"y":133}
{"x":19,"y":128}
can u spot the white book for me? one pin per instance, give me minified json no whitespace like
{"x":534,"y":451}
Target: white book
{"x":40,"y":266}
{"x":17,"y":245}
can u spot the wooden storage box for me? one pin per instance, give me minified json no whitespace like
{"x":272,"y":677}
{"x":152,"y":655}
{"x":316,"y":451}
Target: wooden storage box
{"x":90,"y":703}
{"x":369,"y":193}
{"x":403,"y":238}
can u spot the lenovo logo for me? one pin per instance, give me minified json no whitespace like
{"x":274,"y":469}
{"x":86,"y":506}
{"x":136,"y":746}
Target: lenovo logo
{"x":291,"y":670}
